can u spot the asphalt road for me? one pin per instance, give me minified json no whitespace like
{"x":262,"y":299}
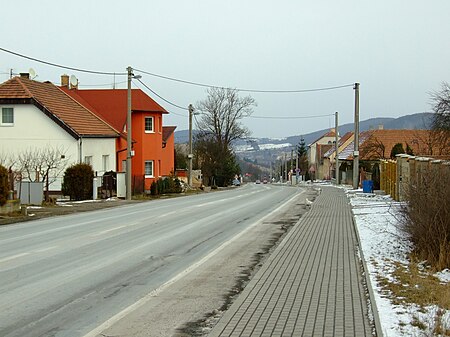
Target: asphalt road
{"x":65,"y":276}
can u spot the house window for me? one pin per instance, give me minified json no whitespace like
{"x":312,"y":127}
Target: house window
{"x":149,"y":168}
{"x":7,"y":116}
{"x":124,"y":166}
{"x":88,"y":160}
{"x":105,"y":162}
{"x":148,"y":124}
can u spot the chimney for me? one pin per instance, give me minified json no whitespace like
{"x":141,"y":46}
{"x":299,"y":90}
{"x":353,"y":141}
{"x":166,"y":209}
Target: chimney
{"x":380,"y":127}
{"x":65,"y":80}
{"x":25,"y":75}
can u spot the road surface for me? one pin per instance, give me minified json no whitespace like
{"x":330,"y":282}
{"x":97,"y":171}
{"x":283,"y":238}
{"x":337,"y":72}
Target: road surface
{"x":66,"y":276}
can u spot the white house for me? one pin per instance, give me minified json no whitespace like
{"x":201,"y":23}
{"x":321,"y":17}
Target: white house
{"x":40,"y":116}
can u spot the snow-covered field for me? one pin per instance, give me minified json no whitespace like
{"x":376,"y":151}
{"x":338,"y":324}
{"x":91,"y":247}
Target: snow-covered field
{"x":384,"y":246}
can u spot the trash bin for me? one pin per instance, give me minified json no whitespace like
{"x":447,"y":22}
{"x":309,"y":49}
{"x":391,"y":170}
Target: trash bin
{"x":367,"y":186}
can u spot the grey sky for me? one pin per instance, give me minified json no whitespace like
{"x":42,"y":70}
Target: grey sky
{"x":398,"y":50}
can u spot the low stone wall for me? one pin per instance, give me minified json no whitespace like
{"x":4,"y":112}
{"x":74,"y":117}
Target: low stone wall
{"x":10,"y":207}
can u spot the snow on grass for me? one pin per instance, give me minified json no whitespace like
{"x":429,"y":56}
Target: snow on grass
{"x":385,"y":247}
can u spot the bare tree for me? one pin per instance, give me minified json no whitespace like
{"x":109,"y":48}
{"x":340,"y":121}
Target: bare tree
{"x":222,"y":111}
{"x":441,"y":118}
{"x":441,"y":107}
{"x":373,"y":148}
{"x":218,"y":126}
{"x":42,"y":164}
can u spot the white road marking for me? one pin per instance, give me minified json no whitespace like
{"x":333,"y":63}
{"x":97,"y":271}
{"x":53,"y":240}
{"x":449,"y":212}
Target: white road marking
{"x":167,"y":214}
{"x":111,"y":321}
{"x":45,"y":249}
{"x":12,"y":257}
{"x":115,"y":228}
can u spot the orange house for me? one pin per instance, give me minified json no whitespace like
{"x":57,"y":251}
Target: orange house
{"x":153,"y":144}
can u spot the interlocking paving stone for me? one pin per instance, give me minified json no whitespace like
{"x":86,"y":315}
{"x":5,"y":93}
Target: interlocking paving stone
{"x":311,"y":285}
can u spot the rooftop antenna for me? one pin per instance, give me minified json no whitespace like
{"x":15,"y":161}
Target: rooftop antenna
{"x":32,"y":73}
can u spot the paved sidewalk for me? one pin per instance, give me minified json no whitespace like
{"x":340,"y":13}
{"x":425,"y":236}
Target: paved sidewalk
{"x":311,"y":285}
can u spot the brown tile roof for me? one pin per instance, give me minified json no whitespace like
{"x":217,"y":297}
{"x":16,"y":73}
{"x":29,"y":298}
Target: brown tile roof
{"x":67,"y":112}
{"x":377,"y":144}
{"x":167,"y":132}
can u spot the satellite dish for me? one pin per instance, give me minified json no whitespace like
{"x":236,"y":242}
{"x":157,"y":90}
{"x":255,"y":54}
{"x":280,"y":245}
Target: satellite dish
{"x":32,"y":73}
{"x":73,"y":81}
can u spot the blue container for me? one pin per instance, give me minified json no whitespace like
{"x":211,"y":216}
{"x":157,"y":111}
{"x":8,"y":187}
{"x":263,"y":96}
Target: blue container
{"x":367,"y":186}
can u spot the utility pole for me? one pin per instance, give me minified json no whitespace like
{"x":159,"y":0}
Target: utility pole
{"x":129,"y":139}
{"x":337,"y":149}
{"x":356,"y":148}
{"x":296,"y":167}
{"x":285,"y":168}
{"x":292,"y":164}
{"x":190,"y":155}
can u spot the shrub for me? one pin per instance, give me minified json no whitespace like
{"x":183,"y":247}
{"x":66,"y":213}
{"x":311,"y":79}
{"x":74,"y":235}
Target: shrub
{"x":165,"y":185}
{"x":77,"y":182}
{"x":427,"y":216}
{"x":4,"y":186}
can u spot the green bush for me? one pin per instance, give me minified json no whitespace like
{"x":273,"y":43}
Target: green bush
{"x":78,"y":181}
{"x":4,"y":186}
{"x":165,"y":185}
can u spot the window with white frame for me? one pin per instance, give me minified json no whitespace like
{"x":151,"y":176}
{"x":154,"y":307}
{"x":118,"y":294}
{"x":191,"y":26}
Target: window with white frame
{"x":88,"y":160}
{"x":7,"y":116}
{"x":149,"y":168}
{"x":149,"y":124}
{"x":105,"y":162}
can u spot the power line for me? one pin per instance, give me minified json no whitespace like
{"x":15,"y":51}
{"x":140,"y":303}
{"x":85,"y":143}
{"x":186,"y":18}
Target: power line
{"x":175,"y":79}
{"x":288,"y":117}
{"x":61,"y":66}
{"x":165,"y":100}
{"x":241,"y":89}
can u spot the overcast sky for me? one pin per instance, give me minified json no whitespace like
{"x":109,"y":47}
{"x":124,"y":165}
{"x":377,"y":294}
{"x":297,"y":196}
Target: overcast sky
{"x":398,"y":50}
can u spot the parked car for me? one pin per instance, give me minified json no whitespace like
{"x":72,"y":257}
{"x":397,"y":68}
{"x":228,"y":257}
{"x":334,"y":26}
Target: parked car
{"x":258,"y":181}
{"x":236,"y":182}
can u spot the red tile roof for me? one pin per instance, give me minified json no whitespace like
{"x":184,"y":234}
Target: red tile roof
{"x":112,"y":104}
{"x":68,"y":113}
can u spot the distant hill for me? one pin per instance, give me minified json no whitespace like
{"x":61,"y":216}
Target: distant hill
{"x":415,"y":121}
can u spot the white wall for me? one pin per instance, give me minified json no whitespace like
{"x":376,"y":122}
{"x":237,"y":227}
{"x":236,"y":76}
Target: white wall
{"x":97,"y":148}
{"x":33,"y":129}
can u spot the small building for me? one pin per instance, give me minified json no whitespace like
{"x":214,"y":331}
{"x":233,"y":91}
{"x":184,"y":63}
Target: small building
{"x":38,"y":116}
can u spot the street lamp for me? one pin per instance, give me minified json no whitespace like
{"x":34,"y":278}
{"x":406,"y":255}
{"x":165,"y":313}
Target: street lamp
{"x":129,"y":138}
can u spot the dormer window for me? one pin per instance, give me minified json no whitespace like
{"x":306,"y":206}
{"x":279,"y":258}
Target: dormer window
{"x":149,"y":126}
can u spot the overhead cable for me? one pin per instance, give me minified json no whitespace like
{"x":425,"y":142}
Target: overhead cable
{"x":242,"y":89}
{"x":289,"y":117}
{"x":62,"y":66}
{"x":165,"y":100}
